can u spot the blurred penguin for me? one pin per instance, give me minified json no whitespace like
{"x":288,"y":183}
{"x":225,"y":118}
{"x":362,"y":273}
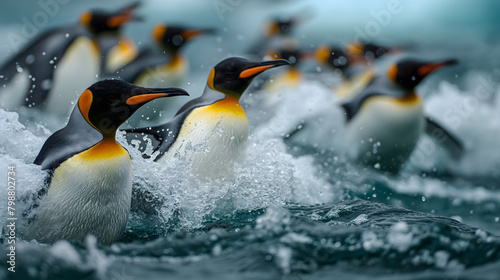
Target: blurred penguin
{"x":50,"y":71}
{"x":276,"y":32}
{"x":355,"y":63}
{"x":212,"y":130}
{"x":152,"y":68}
{"x":116,"y":49}
{"x":385,"y":120}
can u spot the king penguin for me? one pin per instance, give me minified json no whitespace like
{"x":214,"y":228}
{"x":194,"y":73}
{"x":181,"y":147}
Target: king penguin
{"x":151,"y":68}
{"x":277,"y":32}
{"x":211,"y":130}
{"x":49,"y":71}
{"x":355,"y":63}
{"x":289,"y":78}
{"x":90,"y":173}
{"x":116,"y":49}
{"x":385,"y":120}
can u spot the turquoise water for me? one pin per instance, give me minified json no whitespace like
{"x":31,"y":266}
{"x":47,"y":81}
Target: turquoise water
{"x":297,"y":208}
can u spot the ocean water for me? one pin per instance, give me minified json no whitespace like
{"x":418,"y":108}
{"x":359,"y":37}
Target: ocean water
{"x":297,"y":207}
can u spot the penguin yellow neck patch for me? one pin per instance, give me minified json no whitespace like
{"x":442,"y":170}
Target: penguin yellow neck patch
{"x":84,"y":104}
{"x":322,"y":54}
{"x":158,"y":32}
{"x":393,"y":71}
{"x":409,"y":99}
{"x":106,"y":149}
{"x":176,"y":61}
{"x":228,"y":104}
{"x":210,"y":80}
{"x":86,"y":18}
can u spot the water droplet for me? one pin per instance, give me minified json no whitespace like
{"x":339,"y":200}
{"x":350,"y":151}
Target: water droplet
{"x":30,"y":59}
{"x":377,"y":165}
{"x":67,"y":35}
{"x":44,"y":53}
{"x":19,"y":69}
{"x":51,"y":61}
{"x":423,"y":198}
{"x":177,"y":40}
{"x":46,"y":84}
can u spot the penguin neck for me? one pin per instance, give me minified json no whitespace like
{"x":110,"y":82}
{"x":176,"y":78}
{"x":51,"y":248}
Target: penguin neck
{"x":176,"y":60}
{"x":109,"y":137}
{"x":210,"y":91}
{"x":410,"y":97}
{"x":106,"y":148}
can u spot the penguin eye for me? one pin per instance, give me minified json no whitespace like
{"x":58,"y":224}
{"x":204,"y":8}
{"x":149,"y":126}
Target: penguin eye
{"x":112,"y":98}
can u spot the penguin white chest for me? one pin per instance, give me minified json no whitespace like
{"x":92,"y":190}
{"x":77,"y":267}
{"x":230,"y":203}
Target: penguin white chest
{"x":89,"y":193}
{"x":77,"y":69}
{"x":386,"y":130}
{"x":214,"y":137}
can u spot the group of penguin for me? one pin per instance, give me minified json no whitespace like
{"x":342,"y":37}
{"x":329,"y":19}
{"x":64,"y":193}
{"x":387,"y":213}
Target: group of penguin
{"x":90,"y":175}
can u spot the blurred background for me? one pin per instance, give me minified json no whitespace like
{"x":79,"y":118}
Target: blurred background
{"x":454,"y":26}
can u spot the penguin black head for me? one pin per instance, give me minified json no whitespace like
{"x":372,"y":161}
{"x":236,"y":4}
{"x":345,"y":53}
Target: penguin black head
{"x":99,"y":22}
{"x":233,"y":75}
{"x":172,"y":38}
{"x":278,"y":26}
{"x":409,"y":73}
{"x":107,"y":104}
{"x":293,"y":56}
{"x":334,"y":57}
{"x":372,"y":51}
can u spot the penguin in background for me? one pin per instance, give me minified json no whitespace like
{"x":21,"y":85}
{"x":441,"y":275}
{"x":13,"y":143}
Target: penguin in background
{"x":290,"y":77}
{"x":385,"y":120}
{"x":354,"y":63}
{"x":90,"y":173}
{"x":152,"y":68}
{"x":212,"y":130}
{"x":116,"y":49}
{"x":276,"y":32}
{"x":49,"y":71}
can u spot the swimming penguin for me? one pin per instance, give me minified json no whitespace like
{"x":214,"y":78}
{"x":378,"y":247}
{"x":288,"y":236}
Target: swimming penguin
{"x":276,"y":32}
{"x":333,"y":57}
{"x":116,"y":49}
{"x":355,"y":64}
{"x":50,"y":71}
{"x":385,"y":120}
{"x":90,"y":173}
{"x":369,"y":51}
{"x":291,"y":77}
{"x":214,"y":123}
{"x":152,"y":68}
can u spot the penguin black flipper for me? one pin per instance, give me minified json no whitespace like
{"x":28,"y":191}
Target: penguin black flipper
{"x":145,"y":59}
{"x":353,"y":106}
{"x":77,"y":136}
{"x":40,"y":58}
{"x":164,"y":135}
{"x":449,"y":141}
{"x":378,"y":86}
